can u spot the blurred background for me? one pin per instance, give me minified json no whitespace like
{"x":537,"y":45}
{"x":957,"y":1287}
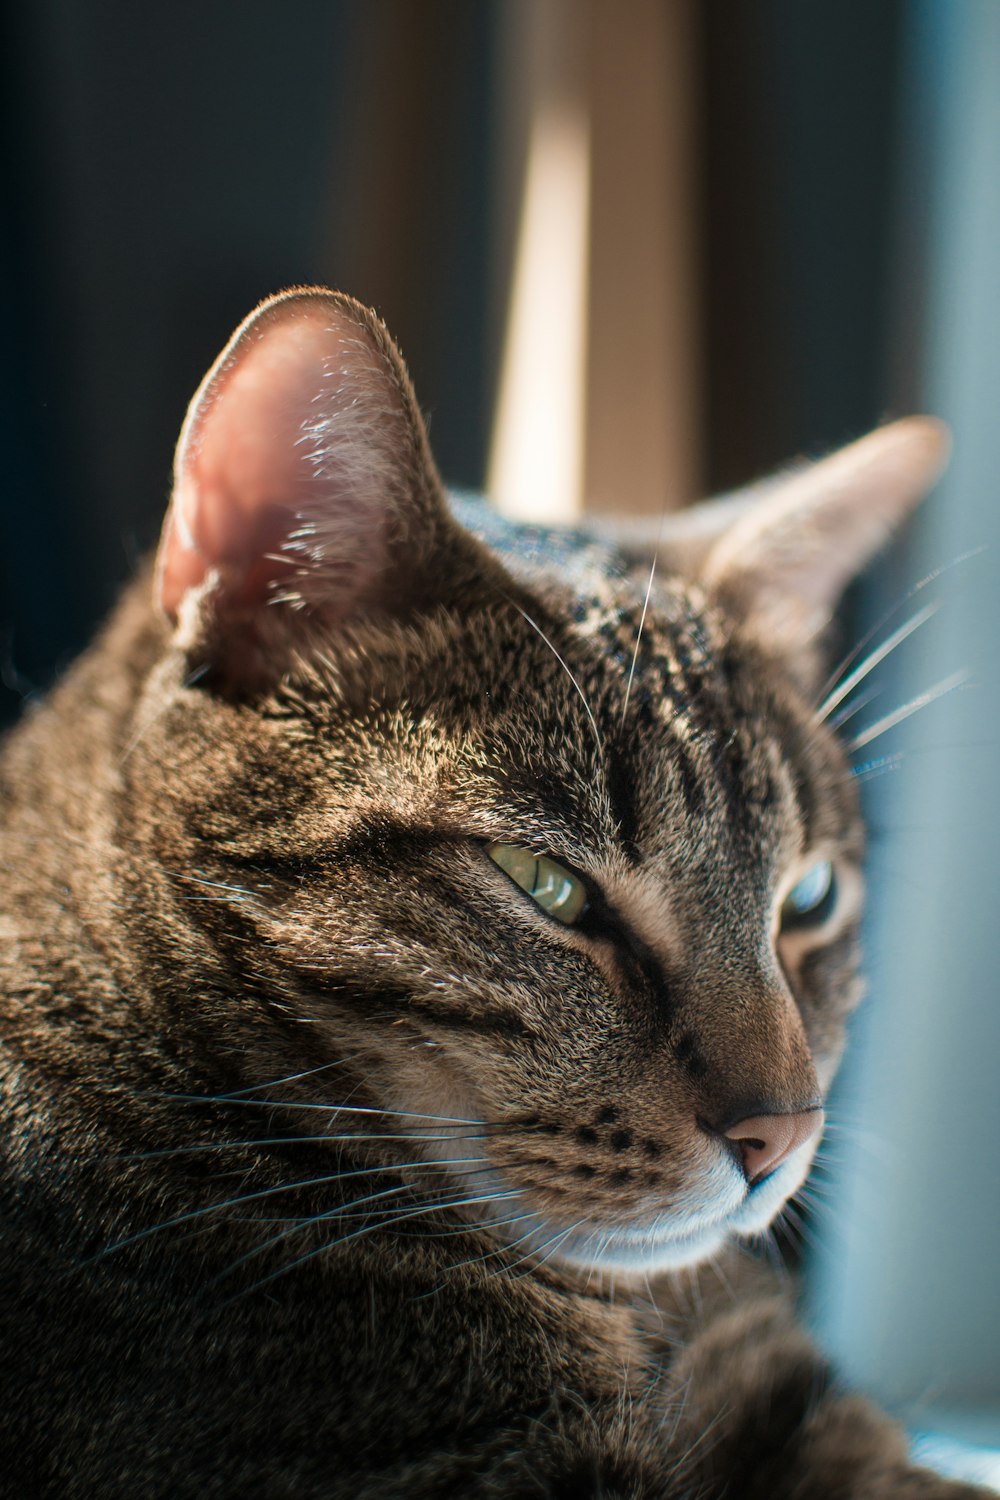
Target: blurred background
{"x":634,"y":251}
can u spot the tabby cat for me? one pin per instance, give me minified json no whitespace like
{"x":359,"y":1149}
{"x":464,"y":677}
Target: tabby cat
{"x":422,"y":935}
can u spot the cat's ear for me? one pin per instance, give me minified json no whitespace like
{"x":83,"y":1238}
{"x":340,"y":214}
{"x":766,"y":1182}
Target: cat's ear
{"x":788,"y":558}
{"x":304,"y":490}
{"x":781,"y":553}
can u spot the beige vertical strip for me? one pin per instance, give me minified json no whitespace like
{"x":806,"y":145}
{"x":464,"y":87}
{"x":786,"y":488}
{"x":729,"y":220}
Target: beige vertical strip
{"x":642,"y":382}
{"x":537,"y":451}
{"x":598,"y":406}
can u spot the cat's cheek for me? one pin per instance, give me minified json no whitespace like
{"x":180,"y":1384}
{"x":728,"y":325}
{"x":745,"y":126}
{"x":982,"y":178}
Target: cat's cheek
{"x":828,"y":988}
{"x":427,"y":1080}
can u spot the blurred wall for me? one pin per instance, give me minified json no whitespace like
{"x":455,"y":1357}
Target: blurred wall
{"x":907,"y":1293}
{"x":168,"y":166}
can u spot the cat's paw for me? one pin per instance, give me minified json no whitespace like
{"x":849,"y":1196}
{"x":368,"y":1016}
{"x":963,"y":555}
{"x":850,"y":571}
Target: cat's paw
{"x":854,"y":1452}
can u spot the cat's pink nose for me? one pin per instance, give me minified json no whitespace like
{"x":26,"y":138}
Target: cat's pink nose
{"x":766,"y":1140}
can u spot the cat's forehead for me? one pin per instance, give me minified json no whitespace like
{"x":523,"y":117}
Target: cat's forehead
{"x":591,"y":710}
{"x":657,"y":631}
{"x":658,"y":650}
{"x":703,"y":729}
{"x":636,"y":714}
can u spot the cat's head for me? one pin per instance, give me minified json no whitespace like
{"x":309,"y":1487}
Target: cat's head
{"x":556,"y":866}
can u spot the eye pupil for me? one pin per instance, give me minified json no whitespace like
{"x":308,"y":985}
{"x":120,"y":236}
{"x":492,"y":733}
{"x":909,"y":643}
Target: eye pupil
{"x":813,"y":895}
{"x":551,"y":887}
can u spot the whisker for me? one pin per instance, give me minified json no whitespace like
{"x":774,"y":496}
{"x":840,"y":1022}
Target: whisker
{"x":338,"y":1109}
{"x":421,"y":1208}
{"x":199,"y":1213}
{"x":143,"y":728}
{"x":827,"y":1161}
{"x":269,"y":1192}
{"x":794,"y":1220}
{"x":638,"y":637}
{"x":878,"y":767}
{"x":218,"y":885}
{"x":341,"y":1210}
{"x":884,"y":619}
{"x":289,"y":1077}
{"x":772,"y":1250}
{"x":467,"y":1224}
{"x":702,"y":1438}
{"x":353,"y":1210}
{"x":359,"y":1137}
{"x":504,"y":1246}
{"x":841,"y":717}
{"x":817,"y":1195}
{"x":553,"y":1243}
{"x":475,"y":1260}
{"x":889,"y":721}
{"x":583,"y":699}
{"x":872,"y":660}
{"x":718,"y":1271}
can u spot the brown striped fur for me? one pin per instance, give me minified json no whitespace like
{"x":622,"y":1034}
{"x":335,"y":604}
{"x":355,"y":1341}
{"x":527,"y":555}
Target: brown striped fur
{"x":253,"y":952}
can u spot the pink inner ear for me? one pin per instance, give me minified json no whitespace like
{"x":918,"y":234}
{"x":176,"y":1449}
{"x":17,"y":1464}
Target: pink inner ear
{"x":285,"y":466}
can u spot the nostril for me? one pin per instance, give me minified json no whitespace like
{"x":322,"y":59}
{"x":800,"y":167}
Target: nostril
{"x":765,"y":1141}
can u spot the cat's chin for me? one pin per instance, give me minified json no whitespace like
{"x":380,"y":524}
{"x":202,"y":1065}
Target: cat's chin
{"x":639,"y":1252}
{"x":666,"y":1244}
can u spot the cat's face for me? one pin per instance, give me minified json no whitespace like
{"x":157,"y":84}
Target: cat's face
{"x":426,"y":736}
{"x":599,"y":1059}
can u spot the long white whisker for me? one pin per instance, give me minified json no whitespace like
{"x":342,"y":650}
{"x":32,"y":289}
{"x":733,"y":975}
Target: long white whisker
{"x":552,"y":1243}
{"x":475,"y":1260}
{"x":638,"y":638}
{"x":794,"y":1219}
{"x":143,"y":728}
{"x":353,"y":1209}
{"x":339,"y":1211}
{"x":872,"y":660}
{"x":218,"y":885}
{"x":354,"y":1137}
{"x":421,"y":1208}
{"x":273,"y":1083}
{"x":339,"y":1109}
{"x":915,"y":704}
{"x":469,"y":1224}
{"x":841,"y":717}
{"x":505,"y":1245}
{"x":583,"y":699}
{"x":207,"y":1208}
{"x":884,"y":619}
{"x":254,"y":1197}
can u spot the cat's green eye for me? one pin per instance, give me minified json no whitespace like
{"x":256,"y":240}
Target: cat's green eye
{"x":555,"y":890}
{"x":812,"y":898}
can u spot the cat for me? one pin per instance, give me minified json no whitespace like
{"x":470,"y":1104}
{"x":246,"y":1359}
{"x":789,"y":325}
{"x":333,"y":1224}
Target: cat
{"x":423,"y":938}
